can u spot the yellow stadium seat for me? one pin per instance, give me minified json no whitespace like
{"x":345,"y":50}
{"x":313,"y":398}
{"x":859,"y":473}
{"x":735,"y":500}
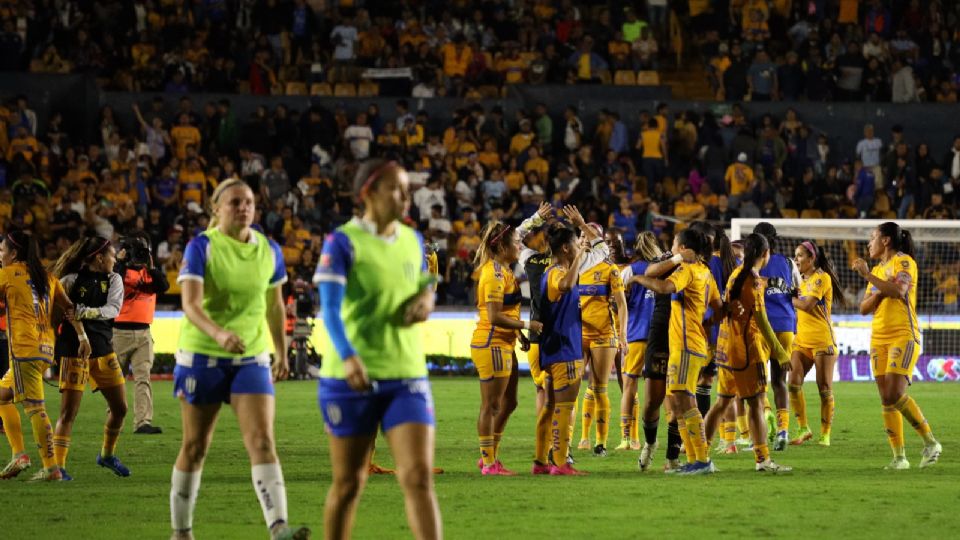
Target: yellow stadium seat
{"x":345,"y":90}
{"x":368,"y":89}
{"x":321,"y":89}
{"x":296,"y":89}
{"x":648,"y":78}
{"x":810,"y":213}
{"x":788,"y":213}
{"x":624,"y":77}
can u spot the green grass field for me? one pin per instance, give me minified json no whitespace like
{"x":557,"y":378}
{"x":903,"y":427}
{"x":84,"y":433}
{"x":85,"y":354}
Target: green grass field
{"x":834,"y":492}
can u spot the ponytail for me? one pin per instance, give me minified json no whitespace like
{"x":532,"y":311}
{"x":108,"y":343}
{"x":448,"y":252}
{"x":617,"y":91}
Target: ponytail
{"x":25,"y":245}
{"x":73,"y":259}
{"x":691,"y":238}
{"x":823,"y":262}
{"x":496,"y":237}
{"x":900,"y":239}
{"x":728,"y":261}
{"x":754,"y":246}
{"x":647,"y":248}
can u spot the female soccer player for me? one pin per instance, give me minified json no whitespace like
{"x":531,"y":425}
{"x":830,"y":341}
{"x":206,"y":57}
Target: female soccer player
{"x":86,"y":272}
{"x":601,"y":290}
{"x":498,"y":304}
{"x":694,"y":290}
{"x":815,"y":344}
{"x":30,"y":293}
{"x":782,"y":278}
{"x":231,"y":281}
{"x":740,"y":347}
{"x":895,"y":337}
{"x":640,"y":306}
{"x":561,"y":345}
{"x":374,"y":372}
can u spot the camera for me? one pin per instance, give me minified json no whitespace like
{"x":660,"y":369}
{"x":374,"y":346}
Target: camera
{"x":137,"y":250}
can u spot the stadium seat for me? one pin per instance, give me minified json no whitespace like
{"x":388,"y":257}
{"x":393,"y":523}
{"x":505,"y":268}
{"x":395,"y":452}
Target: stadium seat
{"x":368,"y":89}
{"x":848,"y":212}
{"x":489,"y":91}
{"x":294,"y":88}
{"x":888,"y":214}
{"x":321,"y":89}
{"x":345,"y":90}
{"x":788,"y":213}
{"x":648,"y":78}
{"x":624,"y":77}
{"x":809,"y":213}
{"x":882,"y":203}
{"x":833,"y":213}
{"x":605,"y":77}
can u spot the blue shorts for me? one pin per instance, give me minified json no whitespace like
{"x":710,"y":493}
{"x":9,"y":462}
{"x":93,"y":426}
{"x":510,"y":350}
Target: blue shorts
{"x":390,"y":403}
{"x":205,"y":385}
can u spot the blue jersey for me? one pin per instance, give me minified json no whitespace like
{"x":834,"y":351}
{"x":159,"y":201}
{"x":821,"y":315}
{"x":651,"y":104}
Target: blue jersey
{"x":640,"y":302}
{"x":779,"y":302}
{"x":562,"y":336}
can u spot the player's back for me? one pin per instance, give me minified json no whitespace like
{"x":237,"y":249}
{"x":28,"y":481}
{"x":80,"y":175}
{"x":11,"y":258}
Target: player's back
{"x":740,"y":342}
{"x":29,"y":325}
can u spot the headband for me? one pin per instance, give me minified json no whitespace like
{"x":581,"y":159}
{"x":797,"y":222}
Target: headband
{"x":810,"y":247}
{"x":373,"y":176}
{"x":500,"y":235}
{"x":99,"y":249}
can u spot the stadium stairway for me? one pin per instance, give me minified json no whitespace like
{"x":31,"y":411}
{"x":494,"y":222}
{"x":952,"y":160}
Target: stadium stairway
{"x":688,"y":83}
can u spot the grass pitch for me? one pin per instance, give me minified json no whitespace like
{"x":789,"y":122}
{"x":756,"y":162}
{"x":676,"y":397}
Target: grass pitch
{"x":834,"y":492}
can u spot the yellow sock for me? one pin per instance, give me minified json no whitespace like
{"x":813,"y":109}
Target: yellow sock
{"x":496,"y":445}
{"x":61,"y":446}
{"x":11,"y":424}
{"x":42,"y":434}
{"x":572,"y":424}
{"x":694,"y":423}
{"x":602,"y":413}
{"x":783,"y":420}
{"x":893,"y":423}
{"x":561,"y":420}
{"x":729,"y":432}
{"x":685,"y":438}
{"x":761,"y":452}
{"x":486,"y":449}
{"x":799,"y":405}
{"x":542,"y":443}
{"x":110,"y":437}
{"x":635,"y":422}
{"x":589,"y":408}
{"x":827,"y":410}
{"x":909,"y":409}
{"x":743,"y":426}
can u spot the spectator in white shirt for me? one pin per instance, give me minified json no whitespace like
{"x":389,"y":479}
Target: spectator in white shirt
{"x":358,"y":137}
{"x":439,"y":227}
{"x":344,"y":36}
{"x":868,"y":151}
{"x":428,"y":196}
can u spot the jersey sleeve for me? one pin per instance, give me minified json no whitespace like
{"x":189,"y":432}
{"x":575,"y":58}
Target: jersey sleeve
{"x":553,"y":284}
{"x":626,"y":273}
{"x":681,"y":277}
{"x":279,"y":275}
{"x":336,"y":259}
{"x":759,"y":293}
{"x":616,"y":282}
{"x":905,"y":270}
{"x":815,"y":287}
{"x":193,"y":267}
{"x":424,"y":267}
{"x":492,"y":285}
{"x":598,"y":252}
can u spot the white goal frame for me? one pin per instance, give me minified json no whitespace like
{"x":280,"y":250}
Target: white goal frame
{"x":937,"y":228}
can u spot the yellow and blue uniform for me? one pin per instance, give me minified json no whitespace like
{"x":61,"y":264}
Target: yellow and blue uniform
{"x":895,"y":336}
{"x":779,"y":300}
{"x":814,"y":330}
{"x":740,"y":348}
{"x":596,"y":287}
{"x":640,"y":304}
{"x":491,"y":347}
{"x":561,"y":345}
{"x":695,"y":289}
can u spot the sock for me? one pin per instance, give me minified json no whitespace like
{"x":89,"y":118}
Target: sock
{"x":11,"y":424}
{"x":61,"y":447}
{"x":268,"y":483}
{"x":827,"y":409}
{"x":703,"y":399}
{"x":635,"y":422}
{"x":650,"y":431}
{"x":694,"y":422}
{"x":496,"y":445}
{"x":589,"y":409}
{"x":110,"y":437}
{"x":626,"y":426}
{"x":42,"y":434}
{"x":783,"y":420}
{"x":183,"y":497}
{"x":602,"y":413}
{"x":799,"y":405}
{"x":685,"y":437}
{"x":908,"y":409}
{"x":542,"y":443}
{"x":893,"y":422}
{"x":673,"y":439}
{"x":573,"y":422}
{"x":561,"y":426}
{"x":729,"y":432}
{"x":761,"y":452}
{"x":743,"y":426}
{"x":486,"y":450}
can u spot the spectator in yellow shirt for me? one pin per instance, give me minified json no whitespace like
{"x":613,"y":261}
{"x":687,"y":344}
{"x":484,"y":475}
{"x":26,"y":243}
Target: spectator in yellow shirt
{"x":183,"y":135}
{"x":511,"y":67}
{"x":456,"y":57}
{"x":523,"y":139}
{"x":490,"y":157}
{"x":23,"y":144}
{"x":536,"y":163}
{"x":740,"y":180}
{"x":687,"y":210}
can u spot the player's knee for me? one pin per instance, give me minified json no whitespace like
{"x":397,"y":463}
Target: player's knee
{"x":508,"y":404}
{"x":193,"y":452}
{"x":415,"y":478}
{"x":346,"y":487}
{"x":119,"y":409}
{"x":260,"y":443}
{"x":68,"y":414}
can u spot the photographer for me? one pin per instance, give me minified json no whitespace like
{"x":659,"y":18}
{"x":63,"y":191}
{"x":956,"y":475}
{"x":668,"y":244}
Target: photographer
{"x":302,"y":304}
{"x":131,"y":329}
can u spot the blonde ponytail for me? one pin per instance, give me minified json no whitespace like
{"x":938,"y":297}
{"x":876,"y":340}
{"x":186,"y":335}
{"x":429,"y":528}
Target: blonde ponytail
{"x":495,"y":234}
{"x":647,"y":246}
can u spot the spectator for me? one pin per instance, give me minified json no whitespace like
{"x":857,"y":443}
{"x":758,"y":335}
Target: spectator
{"x":866,"y":184}
{"x":740,"y":180}
{"x":868,"y":152}
{"x":358,"y":137}
{"x":904,"y":88}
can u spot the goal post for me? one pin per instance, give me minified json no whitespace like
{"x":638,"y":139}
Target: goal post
{"x":937,"y":245}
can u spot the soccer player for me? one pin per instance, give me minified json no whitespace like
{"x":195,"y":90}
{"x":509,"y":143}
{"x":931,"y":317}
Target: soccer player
{"x":815,"y":344}
{"x":231,"y":281}
{"x":782,"y":278}
{"x":895,"y":337}
{"x":86,"y":272}
{"x":640,"y":306}
{"x":740,"y":349}
{"x":374,"y":371}
{"x":601,"y":290}
{"x":31,"y":293}
{"x":693,"y":289}
{"x":561,"y":346}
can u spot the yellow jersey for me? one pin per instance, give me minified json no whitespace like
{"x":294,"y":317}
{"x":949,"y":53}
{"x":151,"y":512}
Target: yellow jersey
{"x":496,"y":283}
{"x":29,"y":324}
{"x":597,"y":287}
{"x":896,"y":318}
{"x":740,"y":343}
{"x":695,"y":290}
{"x":651,"y":143}
{"x":739,"y":178}
{"x":814,"y":331}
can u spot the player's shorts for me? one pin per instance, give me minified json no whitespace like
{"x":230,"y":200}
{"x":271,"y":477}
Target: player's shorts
{"x":745,"y":383}
{"x":25,"y":378}
{"x":710,"y":370}
{"x":786,"y":341}
{"x":492,"y":362}
{"x":634,"y":360}
{"x":100,"y":372}
{"x":200,"y":379}
{"x":533,"y":358}
{"x":812,"y":353}
{"x":683,"y":370}
{"x":894,"y":357}
{"x":564,"y":374}
{"x":389,"y":403}
{"x":599,"y":341}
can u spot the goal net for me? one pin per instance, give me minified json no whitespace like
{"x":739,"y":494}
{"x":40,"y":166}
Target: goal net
{"x":938,"y":260}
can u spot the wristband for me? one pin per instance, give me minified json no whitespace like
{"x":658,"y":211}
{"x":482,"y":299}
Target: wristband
{"x":676,"y":259}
